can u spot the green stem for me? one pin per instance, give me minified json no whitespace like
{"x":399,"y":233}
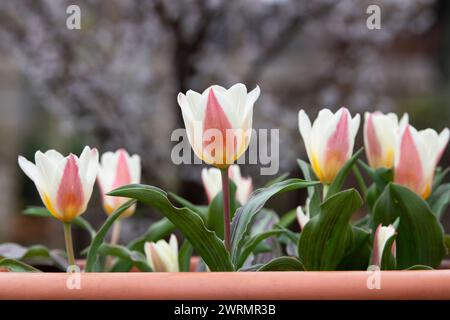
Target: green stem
{"x":325,"y":191}
{"x":226,"y":208}
{"x":69,"y":243}
{"x":359,"y":180}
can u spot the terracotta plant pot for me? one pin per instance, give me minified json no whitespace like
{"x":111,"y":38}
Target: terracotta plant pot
{"x":243,"y":285}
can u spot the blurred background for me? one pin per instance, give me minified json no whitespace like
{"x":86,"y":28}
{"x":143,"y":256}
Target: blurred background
{"x":114,"y":82}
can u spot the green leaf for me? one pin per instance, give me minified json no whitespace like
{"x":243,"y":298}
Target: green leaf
{"x":36,"y":252}
{"x":328,"y":237}
{"x":439,"y":176}
{"x":420,"y":237}
{"x":420,"y":267}
{"x":242,"y":221}
{"x":252,"y":243}
{"x":184,"y":256}
{"x":314,"y":194}
{"x":288,"y":218}
{"x":191,"y":225}
{"x":157,"y":230}
{"x":440,"y":199}
{"x":43,"y":212}
{"x":283,"y":264}
{"x":136,"y":258}
{"x":277,"y":179}
{"x":12,"y":265}
{"x":358,"y":258}
{"x":100,"y":236}
{"x":202,"y":211}
{"x":214,"y":219}
{"x":338,"y":181}
{"x":388,"y":261}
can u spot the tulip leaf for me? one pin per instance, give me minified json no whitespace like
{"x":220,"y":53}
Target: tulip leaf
{"x":339,"y":180}
{"x":101,"y":234}
{"x":283,"y":264}
{"x":328,"y":237}
{"x":136,"y":258}
{"x":388,"y":261}
{"x":157,"y":230}
{"x":439,"y":176}
{"x":202,"y":211}
{"x":420,"y":237}
{"x":288,"y":218}
{"x":184,"y":256}
{"x":12,"y":265}
{"x":420,"y":267}
{"x":191,"y":225}
{"x":244,"y":217}
{"x":251,"y":244}
{"x":358,"y":258}
{"x":440,"y":199}
{"x":314,"y":194}
{"x":214,"y":219}
{"x":277,"y":179}
{"x":43,"y":212}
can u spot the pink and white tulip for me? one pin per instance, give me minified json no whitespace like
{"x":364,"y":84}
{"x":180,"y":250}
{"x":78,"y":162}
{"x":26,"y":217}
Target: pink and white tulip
{"x":64,"y":183}
{"x":416,"y":157}
{"x":117,"y":169}
{"x":219,"y":122}
{"x":212,"y":182}
{"x":163,"y":256}
{"x":380,"y":135}
{"x":382,"y":235}
{"x":329,"y":141}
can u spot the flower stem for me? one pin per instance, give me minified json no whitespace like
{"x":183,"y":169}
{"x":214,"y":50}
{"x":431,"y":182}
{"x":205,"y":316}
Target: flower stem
{"x":325,"y":191}
{"x":69,"y":243}
{"x":226,"y":208}
{"x":115,"y":236}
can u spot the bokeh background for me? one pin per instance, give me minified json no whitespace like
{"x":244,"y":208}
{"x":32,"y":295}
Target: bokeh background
{"x":114,"y":82}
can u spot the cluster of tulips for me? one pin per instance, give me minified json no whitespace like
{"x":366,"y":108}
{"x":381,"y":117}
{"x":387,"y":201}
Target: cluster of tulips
{"x":400,"y":230}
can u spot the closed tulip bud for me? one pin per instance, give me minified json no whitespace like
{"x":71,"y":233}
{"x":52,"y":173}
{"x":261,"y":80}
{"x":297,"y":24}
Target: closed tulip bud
{"x":163,"y":256}
{"x":382,"y":235}
{"x":380,"y":132}
{"x":64,"y":183}
{"x":212,"y":182}
{"x":219,"y":122}
{"x":416,"y":157}
{"x":117,"y":169}
{"x":329,"y":141}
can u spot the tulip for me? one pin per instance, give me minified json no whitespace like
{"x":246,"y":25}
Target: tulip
{"x":380,"y":132}
{"x":329,"y":141}
{"x":302,"y":218}
{"x":117,"y":169}
{"x":163,"y":256}
{"x":64,"y":184}
{"x":219,"y":122}
{"x":416,"y":157}
{"x":212,"y":182}
{"x":382,"y":235}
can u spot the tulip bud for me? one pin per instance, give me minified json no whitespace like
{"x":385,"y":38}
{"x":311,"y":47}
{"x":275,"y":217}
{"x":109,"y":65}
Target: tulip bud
{"x":163,"y":256}
{"x":219,"y":122}
{"x":117,"y":169}
{"x":380,"y":132}
{"x":302,"y":218}
{"x":416,"y":157}
{"x":382,"y":235}
{"x":329,"y":141}
{"x":212,"y":182}
{"x":64,"y":183}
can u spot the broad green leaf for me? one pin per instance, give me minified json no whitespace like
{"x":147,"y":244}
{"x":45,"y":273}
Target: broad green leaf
{"x":191,"y":225}
{"x":43,"y":212}
{"x":184,"y":256}
{"x":242,"y":221}
{"x":157,"y":230}
{"x":277,"y":179}
{"x":101,"y":234}
{"x":36,"y":252}
{"x":136,"y":258}
{"x":420,"y":267}
{"x":314,"y":193}
{"x":439,"y":176}
{"x":358,"y":258}
{"x":440,"y":199}
{"x":420,"y":237}
{"x":214,"y":219}
{"x":12,"y":265}
{"x":388,"y":261}
{"x":338,"y":181}
{"x":201,"y":210}
{"x":283,"y":264}
{"x":328,"y":237}
{"x":288,"y":218}
{"x":252,"y":243}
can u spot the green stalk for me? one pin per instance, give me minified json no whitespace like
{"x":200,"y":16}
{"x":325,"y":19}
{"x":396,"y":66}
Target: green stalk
{"x":226,"y":208}
{"x":69,"y":243}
